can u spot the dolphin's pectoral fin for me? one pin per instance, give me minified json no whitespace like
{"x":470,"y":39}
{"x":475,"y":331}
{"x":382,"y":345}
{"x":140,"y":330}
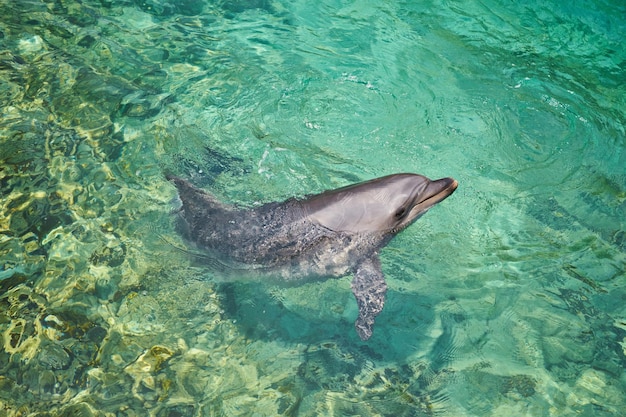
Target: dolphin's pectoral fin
{"x":368,"y":287}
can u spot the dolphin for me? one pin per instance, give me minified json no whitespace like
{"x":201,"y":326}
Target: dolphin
{"x":325,"y":235}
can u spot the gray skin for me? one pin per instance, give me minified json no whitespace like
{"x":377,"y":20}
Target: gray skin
{"x":330,"y":234}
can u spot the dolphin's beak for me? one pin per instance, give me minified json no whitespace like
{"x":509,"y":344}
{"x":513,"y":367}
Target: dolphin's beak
{"x":435,"y":192}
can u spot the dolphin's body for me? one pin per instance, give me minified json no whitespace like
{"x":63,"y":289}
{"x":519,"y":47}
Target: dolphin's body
{"x":325,"y":235}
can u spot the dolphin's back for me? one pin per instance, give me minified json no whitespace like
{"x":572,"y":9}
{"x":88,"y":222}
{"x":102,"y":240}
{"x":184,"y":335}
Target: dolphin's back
{"x":276,"y":237}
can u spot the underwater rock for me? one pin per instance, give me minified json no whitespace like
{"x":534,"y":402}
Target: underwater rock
{"x":47,"y":381}
{"x":179,"y":410}
{"x":96,"y":334}
{"x":148,"y":385}
{"x":523,"y":385}
{"x":79,"y":410}
{"x":54,"y":357}
{"x":112,"y":254}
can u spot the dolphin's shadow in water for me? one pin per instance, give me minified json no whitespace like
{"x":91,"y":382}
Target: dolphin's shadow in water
{"x":262,"y":316}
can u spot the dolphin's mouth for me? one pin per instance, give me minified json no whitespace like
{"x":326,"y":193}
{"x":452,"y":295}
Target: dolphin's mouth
{"x":435,"y":192}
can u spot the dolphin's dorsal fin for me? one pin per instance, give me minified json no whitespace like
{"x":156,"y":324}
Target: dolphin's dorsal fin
{"x":369,"y":288}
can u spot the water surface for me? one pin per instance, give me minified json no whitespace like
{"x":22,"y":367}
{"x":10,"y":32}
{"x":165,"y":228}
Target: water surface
{"x":506,"y":299}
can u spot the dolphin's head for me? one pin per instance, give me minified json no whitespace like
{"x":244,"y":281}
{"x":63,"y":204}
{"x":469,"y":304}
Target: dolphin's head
{"x":387,"y":204}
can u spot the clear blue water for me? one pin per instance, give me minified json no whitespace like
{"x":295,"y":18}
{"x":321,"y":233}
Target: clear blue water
{"x":509,"y":298}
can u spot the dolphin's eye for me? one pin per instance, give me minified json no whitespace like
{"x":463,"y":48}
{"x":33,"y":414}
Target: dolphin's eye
{"x":400,"y":213}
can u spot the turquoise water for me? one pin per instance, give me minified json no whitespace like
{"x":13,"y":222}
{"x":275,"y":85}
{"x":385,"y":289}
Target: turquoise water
{"x":509,"y":298}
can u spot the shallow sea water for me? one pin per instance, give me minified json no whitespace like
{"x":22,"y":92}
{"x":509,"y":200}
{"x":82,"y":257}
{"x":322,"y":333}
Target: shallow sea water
{"x":508,"y":299}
